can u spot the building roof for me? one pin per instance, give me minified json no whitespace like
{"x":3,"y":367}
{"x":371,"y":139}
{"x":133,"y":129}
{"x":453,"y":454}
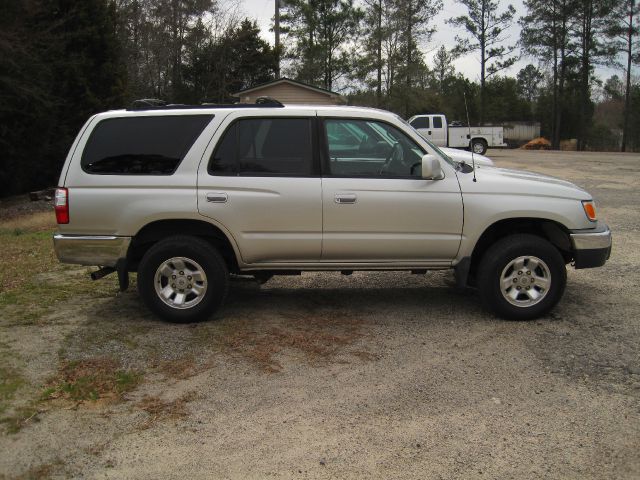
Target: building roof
{"x":287,"y":80}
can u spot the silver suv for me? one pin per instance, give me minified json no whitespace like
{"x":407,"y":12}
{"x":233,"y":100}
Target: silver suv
{"x":184,"y":196}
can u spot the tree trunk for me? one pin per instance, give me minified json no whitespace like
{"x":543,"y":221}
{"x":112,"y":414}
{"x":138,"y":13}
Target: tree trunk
{"x":379,"y":55}
{"x":627,"y":102}
{"x":408,"y":47}
{"x":483,"y":62}
{"x":561,"y":77}
{"x":555,"y":137}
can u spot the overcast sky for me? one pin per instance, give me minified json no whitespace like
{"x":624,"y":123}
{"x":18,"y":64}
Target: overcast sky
{"x":469,"y":65}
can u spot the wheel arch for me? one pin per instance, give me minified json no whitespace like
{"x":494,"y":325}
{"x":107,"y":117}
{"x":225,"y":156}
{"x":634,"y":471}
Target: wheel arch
{"x":552,"y":231}
{"x":157,"y":230}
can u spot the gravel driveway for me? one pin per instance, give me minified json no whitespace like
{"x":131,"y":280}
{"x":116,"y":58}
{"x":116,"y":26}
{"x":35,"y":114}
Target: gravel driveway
{"x":374,"y":375}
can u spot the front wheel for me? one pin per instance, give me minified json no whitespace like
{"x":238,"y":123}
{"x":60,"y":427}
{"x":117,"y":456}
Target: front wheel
{"x":183,"y":279}
{"x":521,"y":277}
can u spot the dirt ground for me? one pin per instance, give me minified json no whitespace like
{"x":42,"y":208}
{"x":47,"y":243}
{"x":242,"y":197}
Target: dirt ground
{"x":374,"y":375}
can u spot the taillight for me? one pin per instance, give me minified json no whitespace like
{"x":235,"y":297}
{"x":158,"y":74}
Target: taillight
{"x":61,"y":205}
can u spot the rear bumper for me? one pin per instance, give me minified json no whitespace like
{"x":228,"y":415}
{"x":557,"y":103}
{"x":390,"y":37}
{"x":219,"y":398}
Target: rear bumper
{"x":102,"y":250}
{"x":591,"y":248}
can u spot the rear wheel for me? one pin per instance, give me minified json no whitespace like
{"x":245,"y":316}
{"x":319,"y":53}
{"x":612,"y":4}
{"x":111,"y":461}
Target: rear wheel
{"x":521,"y":277}
{"x":183,"y":279}
{"x":479,"y":146}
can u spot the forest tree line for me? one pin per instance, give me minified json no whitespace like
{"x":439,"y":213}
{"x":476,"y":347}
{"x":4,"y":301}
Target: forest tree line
{"x":63,"y":60}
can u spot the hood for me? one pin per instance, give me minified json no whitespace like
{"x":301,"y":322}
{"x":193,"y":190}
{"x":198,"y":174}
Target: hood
{"x":464,"y":156}
{"x":520,"y":182}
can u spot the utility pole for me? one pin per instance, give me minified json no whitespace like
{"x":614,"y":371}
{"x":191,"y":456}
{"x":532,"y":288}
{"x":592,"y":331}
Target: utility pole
{"x":277,"y":32}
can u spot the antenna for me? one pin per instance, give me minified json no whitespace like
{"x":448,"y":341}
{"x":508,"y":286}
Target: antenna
{"x":473,"y":160}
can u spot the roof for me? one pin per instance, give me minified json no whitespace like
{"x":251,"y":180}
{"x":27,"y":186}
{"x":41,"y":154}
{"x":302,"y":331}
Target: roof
{"x":286,"y":80}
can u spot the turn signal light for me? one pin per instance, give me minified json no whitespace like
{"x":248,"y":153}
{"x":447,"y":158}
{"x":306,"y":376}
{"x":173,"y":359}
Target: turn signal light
{"x":589,"y":209}
{"x":61,"y":205}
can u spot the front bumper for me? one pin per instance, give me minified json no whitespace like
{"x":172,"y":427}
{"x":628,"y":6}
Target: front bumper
{"x":591,"y":248}
{"x":101,"y":250}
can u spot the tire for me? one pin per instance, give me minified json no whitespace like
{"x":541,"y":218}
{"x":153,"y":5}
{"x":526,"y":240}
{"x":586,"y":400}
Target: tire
{"x":478,"y":146}
{"x":164,"y":275}
{"x":529,"y":270}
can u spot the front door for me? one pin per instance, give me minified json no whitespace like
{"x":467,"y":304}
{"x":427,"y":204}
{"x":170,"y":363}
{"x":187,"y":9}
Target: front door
{"x":261,"y":183}
{"x":376,"y":206}
{"x":423,"y":125}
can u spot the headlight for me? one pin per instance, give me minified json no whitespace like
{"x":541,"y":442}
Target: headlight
{"x":589,"y":209}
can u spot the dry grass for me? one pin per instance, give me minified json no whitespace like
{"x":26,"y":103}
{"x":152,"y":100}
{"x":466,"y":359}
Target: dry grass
{"x":93,"y":379}
{"x":21,"y":417}
{"x":159,"y":409}
{"x":32,"y":222}
{"x":25,"y":254}
{"x":180,"y":368}
{"x":318,"y":339}
{"x":46,"y":470}
{"x":32,"y":280}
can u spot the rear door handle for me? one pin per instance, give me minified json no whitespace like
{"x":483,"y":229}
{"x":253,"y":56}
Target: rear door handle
{"x":346,"y":198}
{"x":217,"y":197}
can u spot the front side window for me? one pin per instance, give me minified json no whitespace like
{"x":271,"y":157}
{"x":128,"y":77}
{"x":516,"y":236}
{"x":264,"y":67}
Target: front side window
{"x":420,"y":122}
{"x":153,"y":145}
{"x":265,"y":146}
{"x":373,"y":149}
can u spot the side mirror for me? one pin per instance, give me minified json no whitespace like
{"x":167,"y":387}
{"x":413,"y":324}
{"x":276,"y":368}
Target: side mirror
{"x":431,"y":168}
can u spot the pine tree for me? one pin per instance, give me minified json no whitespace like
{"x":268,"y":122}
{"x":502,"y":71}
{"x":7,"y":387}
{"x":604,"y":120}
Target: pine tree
{"x":589,"y":27}
{"x":320,"y":33}
{"x":484,"y":27}
{"x":545,"y":35}
{"x":624,"y":30}
{"x":443,"y":66}
{"x":60,"y":62}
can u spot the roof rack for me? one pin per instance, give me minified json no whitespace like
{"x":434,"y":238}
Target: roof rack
{"x":272,"y":102}
{"x":157,"y":104}
{"x":147,"y":102}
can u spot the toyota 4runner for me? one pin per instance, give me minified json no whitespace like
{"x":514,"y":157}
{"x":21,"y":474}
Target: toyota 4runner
{"x":186,"y":195}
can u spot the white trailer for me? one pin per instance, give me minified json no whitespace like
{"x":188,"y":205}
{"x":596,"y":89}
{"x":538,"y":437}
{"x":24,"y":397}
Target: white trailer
{"x":436,"y":129}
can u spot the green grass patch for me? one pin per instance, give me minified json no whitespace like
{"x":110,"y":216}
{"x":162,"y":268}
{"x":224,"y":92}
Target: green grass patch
{"x":10,"y":382}
{"x":92,"y":379}
{"x":20,"y":417}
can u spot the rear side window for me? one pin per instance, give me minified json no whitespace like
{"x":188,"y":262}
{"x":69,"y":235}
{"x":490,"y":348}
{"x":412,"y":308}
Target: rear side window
{"x":265,"y":146}
{"x":141,"y":145}
{"x":437,"y":122}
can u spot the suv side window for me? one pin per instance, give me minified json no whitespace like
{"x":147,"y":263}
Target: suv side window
{"x":421,"y":122}
{"x":368,"y":148}
{"x":265,"y":146}
{"x":141,"y":145}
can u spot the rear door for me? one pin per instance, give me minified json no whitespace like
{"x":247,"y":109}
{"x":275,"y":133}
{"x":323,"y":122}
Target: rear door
{"x":439,"y":130}
{"x":259,"y":179}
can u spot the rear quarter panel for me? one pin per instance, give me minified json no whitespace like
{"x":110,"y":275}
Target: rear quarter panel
{"x":122,"y":204}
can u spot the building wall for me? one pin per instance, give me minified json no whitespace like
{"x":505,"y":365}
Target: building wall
{"x":290,"y":94}
{"x":521,"y":131}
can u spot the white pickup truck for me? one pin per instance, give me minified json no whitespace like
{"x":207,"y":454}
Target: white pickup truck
{"x":436,"y":129}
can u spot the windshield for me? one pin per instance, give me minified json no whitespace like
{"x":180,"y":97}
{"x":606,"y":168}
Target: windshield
{"x":446,"y":157}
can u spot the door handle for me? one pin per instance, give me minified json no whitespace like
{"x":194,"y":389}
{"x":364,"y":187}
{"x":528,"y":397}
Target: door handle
{"x":346,"y":198}
{"x":217,"y":197}
{"x":429,"y":132}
